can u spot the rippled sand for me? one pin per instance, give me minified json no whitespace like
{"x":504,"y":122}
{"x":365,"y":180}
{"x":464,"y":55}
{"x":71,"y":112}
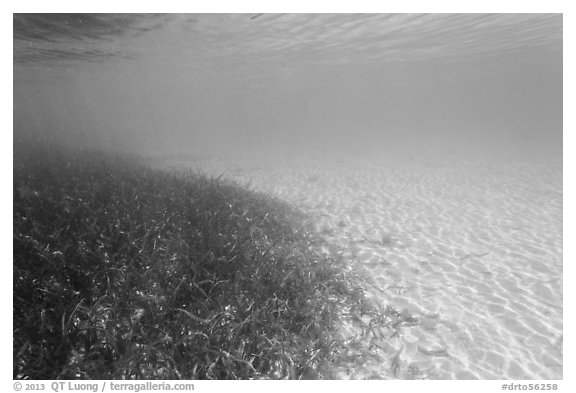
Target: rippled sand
{"x":470,"y":247}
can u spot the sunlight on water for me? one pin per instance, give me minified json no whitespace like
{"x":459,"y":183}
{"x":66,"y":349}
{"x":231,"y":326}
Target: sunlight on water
{"x":230,"y":41}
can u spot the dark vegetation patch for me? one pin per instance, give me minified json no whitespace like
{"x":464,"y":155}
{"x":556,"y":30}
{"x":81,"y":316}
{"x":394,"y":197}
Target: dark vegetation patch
{"x":124,"y":272}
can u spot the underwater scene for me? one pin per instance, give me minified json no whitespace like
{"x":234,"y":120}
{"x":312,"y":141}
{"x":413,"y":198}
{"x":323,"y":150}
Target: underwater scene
{"x":288,"y":196}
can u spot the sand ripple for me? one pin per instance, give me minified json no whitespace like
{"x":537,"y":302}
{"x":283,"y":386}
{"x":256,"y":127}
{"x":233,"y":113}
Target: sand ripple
{"x":472,"y":249}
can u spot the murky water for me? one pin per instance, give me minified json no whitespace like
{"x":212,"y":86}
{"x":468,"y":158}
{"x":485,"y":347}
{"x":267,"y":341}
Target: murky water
{"x":428,"y":146}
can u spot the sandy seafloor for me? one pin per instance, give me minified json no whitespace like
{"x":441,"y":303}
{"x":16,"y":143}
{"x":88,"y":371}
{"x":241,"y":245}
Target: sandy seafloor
{"x":471,"y":246}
